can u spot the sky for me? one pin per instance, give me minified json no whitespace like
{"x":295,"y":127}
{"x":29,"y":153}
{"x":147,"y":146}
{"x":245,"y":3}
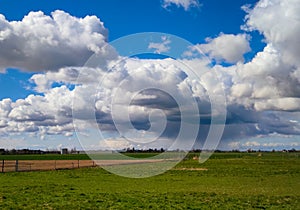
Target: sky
{"x":185,"y":74}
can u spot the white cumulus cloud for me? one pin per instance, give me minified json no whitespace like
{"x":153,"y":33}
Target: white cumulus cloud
{"x":39,"y":42}
{"x":226,"y":47}
{"x":160,"y":47}
{"x":279,"y":22}
{"x":186,"y":4}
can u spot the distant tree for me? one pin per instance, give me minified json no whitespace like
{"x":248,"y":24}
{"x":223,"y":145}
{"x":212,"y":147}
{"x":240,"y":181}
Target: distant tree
{"x":292,"y":150}
{"x":13,"y":151}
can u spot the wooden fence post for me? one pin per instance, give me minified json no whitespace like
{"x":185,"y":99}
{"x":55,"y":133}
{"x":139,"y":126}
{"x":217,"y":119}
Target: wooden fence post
{"x":2,"y":167}
{"x":17,"y":165}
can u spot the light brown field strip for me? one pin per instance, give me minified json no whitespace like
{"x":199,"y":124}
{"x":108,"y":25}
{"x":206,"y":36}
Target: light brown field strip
{"x":191,"y":169}
{"x":40,"y":165}
{"x":43,"y":165}
{"x":125,"y":162}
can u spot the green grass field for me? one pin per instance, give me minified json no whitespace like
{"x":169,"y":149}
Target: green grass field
{"x":231,"y":181}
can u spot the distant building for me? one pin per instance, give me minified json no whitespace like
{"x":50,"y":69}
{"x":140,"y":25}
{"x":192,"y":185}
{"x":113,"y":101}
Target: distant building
{"x":64,"y":151}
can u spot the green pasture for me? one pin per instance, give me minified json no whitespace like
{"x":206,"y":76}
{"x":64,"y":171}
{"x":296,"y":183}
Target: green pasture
{"x":227,"y":181}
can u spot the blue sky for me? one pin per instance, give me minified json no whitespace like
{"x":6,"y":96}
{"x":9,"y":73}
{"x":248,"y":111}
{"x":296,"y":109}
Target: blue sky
{"x":256,"y":64}
{"x":127,"y":17}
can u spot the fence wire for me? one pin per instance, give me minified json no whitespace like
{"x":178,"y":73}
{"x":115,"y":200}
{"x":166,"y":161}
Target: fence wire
{"x":42,"y":165}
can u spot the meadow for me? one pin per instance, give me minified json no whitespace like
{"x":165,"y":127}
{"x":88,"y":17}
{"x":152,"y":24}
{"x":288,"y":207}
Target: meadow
{"x":225,"y":181}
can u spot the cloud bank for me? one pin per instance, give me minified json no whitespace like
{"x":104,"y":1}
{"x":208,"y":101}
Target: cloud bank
{"x":263,"y":95}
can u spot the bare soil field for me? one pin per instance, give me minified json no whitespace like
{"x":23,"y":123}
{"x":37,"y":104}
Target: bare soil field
{"x":191,"y":169}
{"x":44,"y":165}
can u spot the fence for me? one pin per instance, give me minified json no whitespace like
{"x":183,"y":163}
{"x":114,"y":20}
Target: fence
{"x":42,"y":165}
